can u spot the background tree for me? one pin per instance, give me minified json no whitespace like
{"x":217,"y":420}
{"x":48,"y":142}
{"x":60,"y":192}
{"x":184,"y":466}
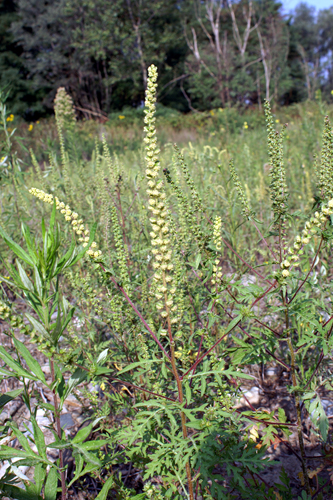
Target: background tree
{"x":209,"y":53}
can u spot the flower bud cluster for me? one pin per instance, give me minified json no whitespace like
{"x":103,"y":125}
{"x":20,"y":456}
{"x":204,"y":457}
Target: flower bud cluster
{"x":278,"y":186}
{"x":325,"y":170}
{"x":188,"y":221}
{"x":152,"y":493}
{"x":121,"y":248}
{"x":12,"y":319}
{"x":311,"y":227}
{"x":64,"y":108}
{"x":246,"y":209}
{"x":160,"y":237}
{"x":196,"y":199}
{"x":73,"y":218}
{"x":217,"y":239}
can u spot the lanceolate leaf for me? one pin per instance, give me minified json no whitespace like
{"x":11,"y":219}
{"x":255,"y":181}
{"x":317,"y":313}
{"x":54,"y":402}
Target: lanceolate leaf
{"x":14,"y":365}
{"x":9,"y":396}
{"x":37,"y":325}
{"x":106,"y":487}
{"x":19,"y":494}
{"x":50,"y":491}
{"x":33,"y":365}
{"x":19,"y":252}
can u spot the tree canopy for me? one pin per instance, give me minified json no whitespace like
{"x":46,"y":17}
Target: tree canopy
{"x":209,"y":53}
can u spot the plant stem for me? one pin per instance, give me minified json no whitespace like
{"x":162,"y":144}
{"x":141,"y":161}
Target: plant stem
{"x":180,"y":392}
{"x":57,"y":420}
{"x":297,"y":401}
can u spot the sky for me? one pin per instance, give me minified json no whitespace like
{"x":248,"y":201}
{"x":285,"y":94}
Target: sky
{"x":319,"y":4}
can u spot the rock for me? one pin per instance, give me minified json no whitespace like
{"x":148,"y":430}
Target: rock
{"x":42,"y":420}
{"x":252,"y":396}
{"x":271,"y":371}
{"x":66,"y":421}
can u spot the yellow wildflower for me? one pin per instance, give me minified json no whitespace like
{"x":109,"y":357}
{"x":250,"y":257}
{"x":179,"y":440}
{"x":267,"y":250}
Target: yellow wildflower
{"x":30,"y":127}
{"x":121,"y":117}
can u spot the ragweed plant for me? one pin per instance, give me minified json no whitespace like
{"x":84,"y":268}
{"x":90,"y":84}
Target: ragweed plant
{"x":198,"y":292}
{"x":35,"y":277}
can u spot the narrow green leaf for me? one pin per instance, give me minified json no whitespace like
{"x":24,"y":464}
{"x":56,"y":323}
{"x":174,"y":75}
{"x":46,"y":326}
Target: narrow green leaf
{"x":233,"y":323}
{"x":50,"y":490}
{"x":9,"y":396}
{"x":33,"y":365}
{"x":19,"y":252}
{"x":22,"y":440}
{"x":39,"y":438}
{"x":102,"y":357}
{"x":29,"y":242}
{"x":77,"y":378}
{"x":53,"y":216}
{"x":89,"y":468}
{"x":102,"y":495}
{"x":188,"y":393}
{"x":203,"y":385}
{"x":197,"y":261}
{"x":139,"y":363}
{"x":39,"y":476}
{"x":12,"y":491}
{"x":82,"y":434}
{"x":14,"y":365}
{"x":38,"y":284}
{"x":37,"y":325}
{"x":24,"y":278}
{"x":89,"y":457}
{"x":94,"y":445}
{"x":67,"y":319}
{"x":69,"y":255}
